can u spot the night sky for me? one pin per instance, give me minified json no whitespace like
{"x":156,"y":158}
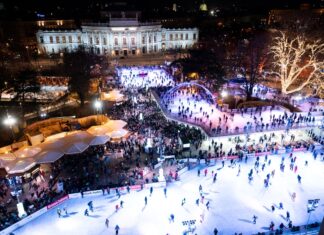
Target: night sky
{"x":88,"y":8}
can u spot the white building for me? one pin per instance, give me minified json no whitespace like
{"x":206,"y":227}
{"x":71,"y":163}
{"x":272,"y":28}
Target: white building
{"x":121,"y":36}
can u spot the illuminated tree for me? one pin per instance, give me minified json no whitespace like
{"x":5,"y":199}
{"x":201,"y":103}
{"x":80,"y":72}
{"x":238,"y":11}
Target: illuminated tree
{"x":299,"y":62}
{"x":319,"y":87}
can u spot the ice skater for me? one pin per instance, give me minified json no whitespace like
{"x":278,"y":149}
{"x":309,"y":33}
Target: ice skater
{"x":239,"y":170}
{"x":299,"y":178}
{"x":206,"y":171}
{"x":107,"y":222}
{"x":197,"y":202}
{"x":254,"y":219}
{"x":59,"y":212}
{"x":215,"y":177}
{"x":171,"y":219}
{"x":151,"y":190}
{"x":145,"y":199}
{"x":287,"y":216}
{"x":280,"y":206}
{"x":86,"y":212}
{"x":90,"y":204}
{"x":165,"y":192}
{"x":117,"y":229}
{"x":207,"y":205}
{"x":272,"y":208}
{"x":183,"y":201}
{"x":65,"y":211}
{"x":200,"y":189}
{"x":121,"y":203}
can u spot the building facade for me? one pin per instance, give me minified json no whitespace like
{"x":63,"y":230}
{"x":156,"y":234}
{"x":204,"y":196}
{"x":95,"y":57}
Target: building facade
{"x":118,"y":37}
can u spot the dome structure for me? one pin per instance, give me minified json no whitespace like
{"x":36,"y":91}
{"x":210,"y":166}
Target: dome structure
{"x":192,"y":89}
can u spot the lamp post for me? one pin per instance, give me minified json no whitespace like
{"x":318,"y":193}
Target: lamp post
{"x":10,"y":121}
{"x":224,"y":94}
{"x":98,"y":106}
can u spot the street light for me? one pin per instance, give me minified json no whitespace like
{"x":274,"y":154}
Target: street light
{"x":10,"y":121}
{"x":98,"y":105}
{"x":224,"y":94}
{"x":43,"y":115}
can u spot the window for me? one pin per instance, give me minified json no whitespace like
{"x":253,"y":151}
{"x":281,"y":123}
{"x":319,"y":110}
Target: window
{"x":133,"y":41}
{"x":186,"y":36}
{"x":194,"y":36}
{"x":51,"y":39}
{"x":154,"y":38}
{"x":171,"y":37}
{"x":57,"y":39}
{"x":163,"y":37}
{"x":143,"y":40}
{"x":124,"y":41}
{"x":150,"y":39}
{"x":116,"y":41}
{"x":63,"y":39}
{"x":41,"y":39}
{"x":105,"y":41}
{"x":90,"y":40}
{"x":176,"y":36}
{"x":181,"y":36}
{"x":79,"y":39}
{"x":70,"y":39}
{"x":97,"y":40}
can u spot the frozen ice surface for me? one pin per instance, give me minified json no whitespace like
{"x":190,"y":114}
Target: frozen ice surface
{"x":233,"y":202}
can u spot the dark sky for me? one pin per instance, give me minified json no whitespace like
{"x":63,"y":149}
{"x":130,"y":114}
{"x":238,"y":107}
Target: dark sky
{"x":77,"y":8}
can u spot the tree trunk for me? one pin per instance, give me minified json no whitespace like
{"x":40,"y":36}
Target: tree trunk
{"x":82,"y":98}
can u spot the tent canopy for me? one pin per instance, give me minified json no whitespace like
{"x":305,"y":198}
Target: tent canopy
{"x":108,"y":127}
{"x":26,"y":152}
{"x":99,"y":140}
{"x":56,"y":146}
{"x":48,"y":156}
{"x":116,"y":124}
{"x":75,"y":148}
{"x":113,"y":95}
{"x":21,"y":166}
{"x":118,"y":134}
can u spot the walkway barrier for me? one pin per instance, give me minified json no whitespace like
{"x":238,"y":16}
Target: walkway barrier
{"x":24,"y":221}
{"x":61,"y":200}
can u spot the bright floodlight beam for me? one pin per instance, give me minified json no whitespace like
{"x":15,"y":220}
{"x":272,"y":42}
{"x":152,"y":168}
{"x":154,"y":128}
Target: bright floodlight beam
{"x":97,"y":104}
{"x":298,"y":97}
{"x":224,"y":94}
{"x":9,"y":121}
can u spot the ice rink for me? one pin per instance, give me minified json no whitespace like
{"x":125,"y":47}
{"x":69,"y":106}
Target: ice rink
{"x":144,"y":77}
{"x":233,"y":202}
{"x":197,"y":109}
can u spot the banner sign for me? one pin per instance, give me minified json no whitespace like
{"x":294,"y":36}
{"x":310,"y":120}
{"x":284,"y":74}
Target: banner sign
{"x":57,"y":202}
